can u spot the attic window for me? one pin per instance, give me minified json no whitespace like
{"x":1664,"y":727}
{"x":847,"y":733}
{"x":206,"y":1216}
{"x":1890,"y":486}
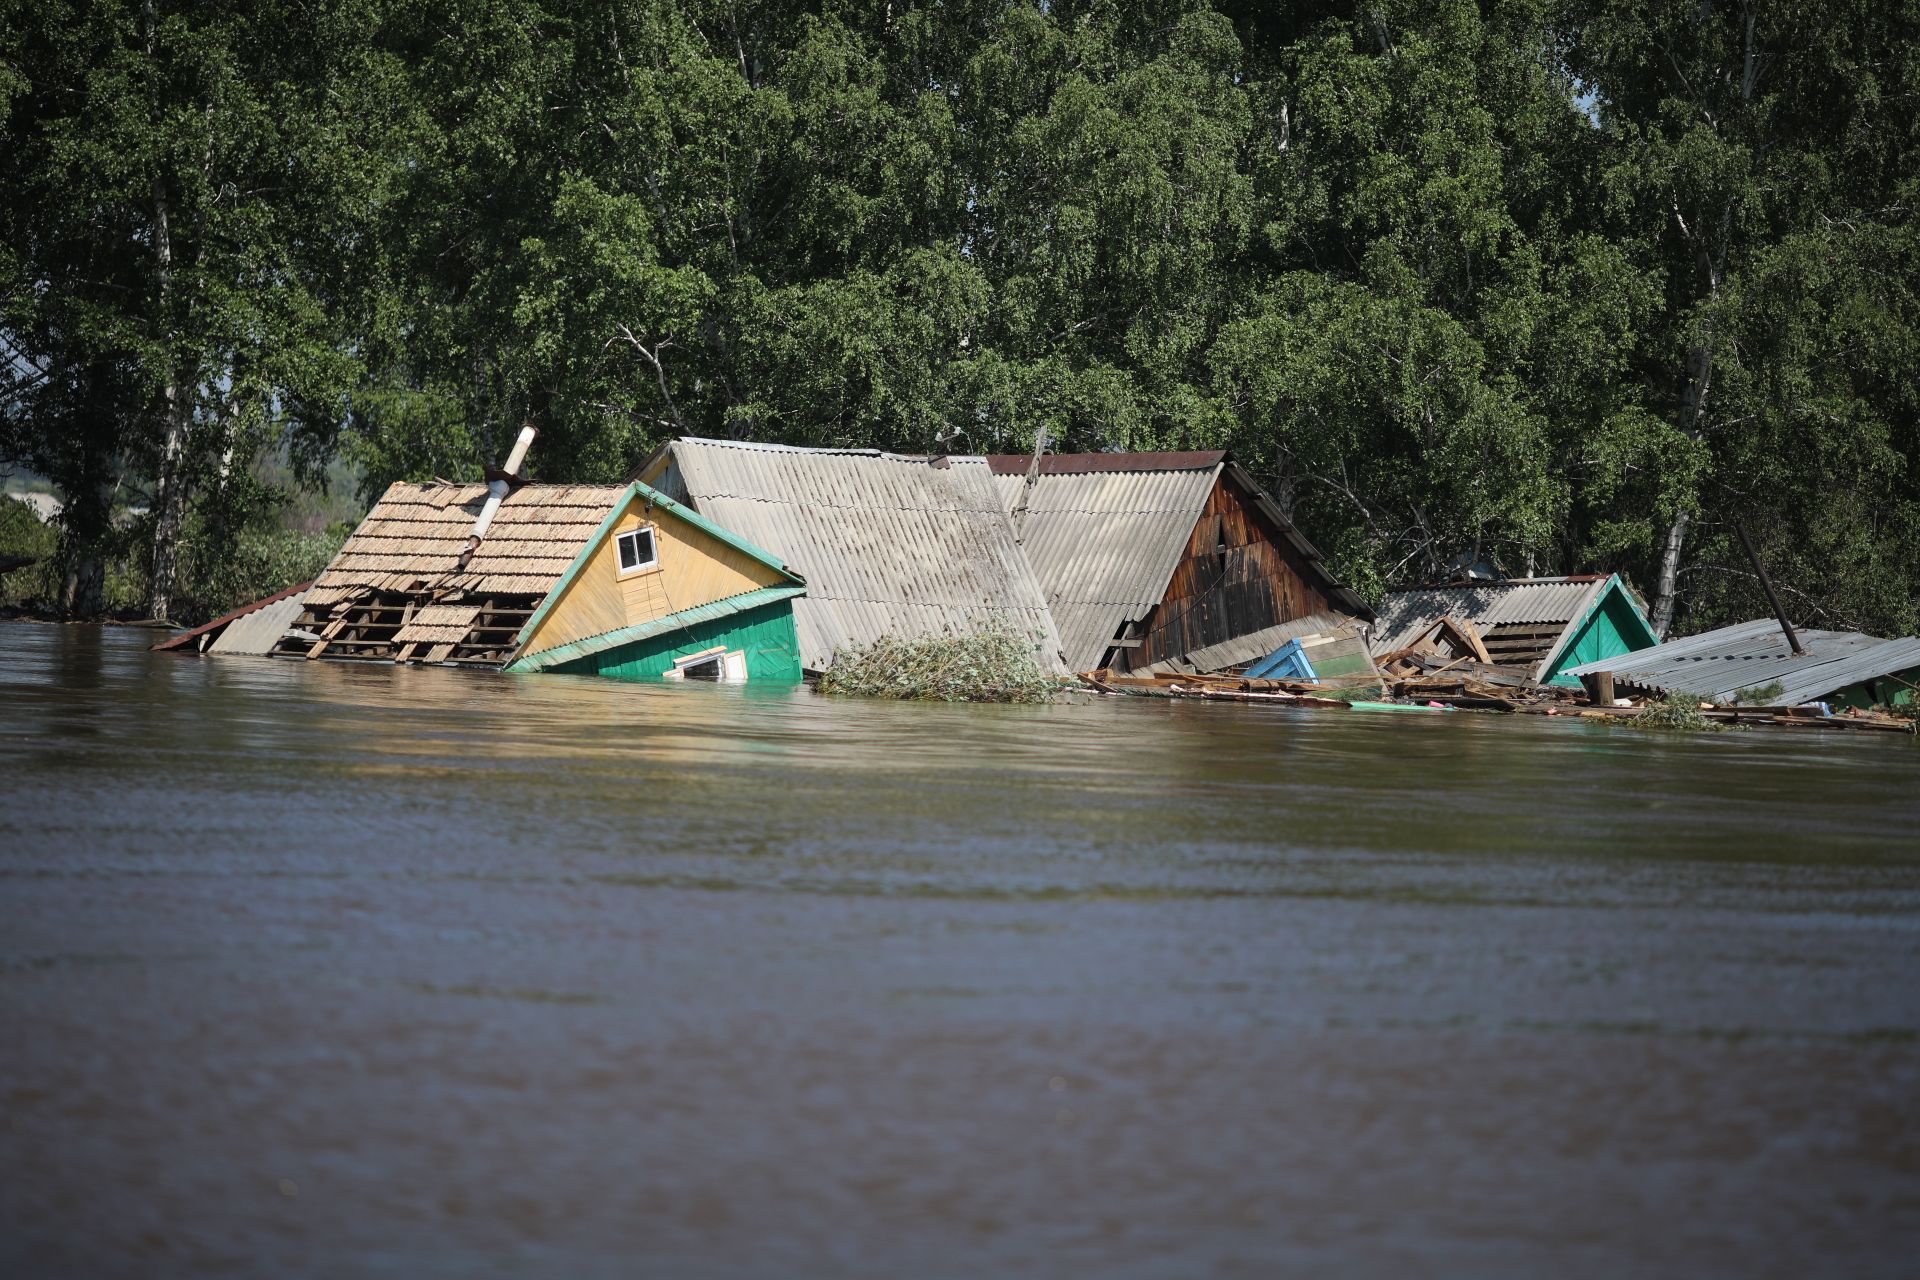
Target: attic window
{"x":636,"y":550}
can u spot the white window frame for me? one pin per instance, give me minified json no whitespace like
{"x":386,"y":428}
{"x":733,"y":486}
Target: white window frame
{"x":733,"y":663}
{"x":653,"y":540}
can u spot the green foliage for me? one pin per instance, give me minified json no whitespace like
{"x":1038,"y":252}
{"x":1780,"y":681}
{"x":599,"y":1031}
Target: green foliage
{"x":1674,"y":711}
{"x":24,"y":536}
{"x":987,"y":666}
{"x":1761,"y":695}
{"x":1561,"y":283}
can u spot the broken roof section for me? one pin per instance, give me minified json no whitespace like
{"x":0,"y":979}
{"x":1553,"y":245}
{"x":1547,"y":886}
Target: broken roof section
{"x":1714,"y":666}
{"x":251,"y":629}
{"x":413,"y":537}
{"x":1542,"y":624}
{"x":888,"y":543}
{"x":1105,"y":533}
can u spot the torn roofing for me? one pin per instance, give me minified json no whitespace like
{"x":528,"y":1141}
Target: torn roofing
{"x":889,"y":544}
{"x":414,"y":536}
{"x":1106,"y":531}
{"x":1404,"y":615}
{"x":1716,"y":665}
{"x":291,"y":595}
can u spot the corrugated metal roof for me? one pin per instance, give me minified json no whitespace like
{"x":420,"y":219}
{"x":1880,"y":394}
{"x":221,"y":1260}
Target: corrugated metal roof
{"x":1017,"y":464}
{"x":186,"y":638}
{"x":416,"y":532}
{"x":1715,"y":665}
{"x":1105,"y":544}
{"x":1105,"y":531}
{"x":1403,"y":615}
{"x":256,"y":632}
{"x":888,"y":544}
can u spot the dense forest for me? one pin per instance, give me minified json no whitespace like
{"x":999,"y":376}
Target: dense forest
{"x":1565,"y":285}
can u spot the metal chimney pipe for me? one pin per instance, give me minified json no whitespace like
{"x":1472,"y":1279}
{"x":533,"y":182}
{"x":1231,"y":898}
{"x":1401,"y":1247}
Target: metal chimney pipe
{"x":1766,"y":583}
{"x":497,"y":490}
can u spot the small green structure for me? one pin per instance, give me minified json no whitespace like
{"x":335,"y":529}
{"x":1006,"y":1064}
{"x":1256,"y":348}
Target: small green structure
{"x":755,"y":629}
{"x":659,"y":592}
{"x":1546,"y":625}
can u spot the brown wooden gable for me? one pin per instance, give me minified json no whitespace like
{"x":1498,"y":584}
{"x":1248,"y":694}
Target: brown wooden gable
{"x":1239,"y":573}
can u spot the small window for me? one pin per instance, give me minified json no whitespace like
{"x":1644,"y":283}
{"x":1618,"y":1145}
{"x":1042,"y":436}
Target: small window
{"x":636,"y":550}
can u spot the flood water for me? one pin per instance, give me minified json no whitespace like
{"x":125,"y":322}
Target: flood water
{"x":312,"y":969}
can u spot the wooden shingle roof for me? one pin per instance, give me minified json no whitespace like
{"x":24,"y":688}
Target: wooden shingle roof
{"x":415,"y":533}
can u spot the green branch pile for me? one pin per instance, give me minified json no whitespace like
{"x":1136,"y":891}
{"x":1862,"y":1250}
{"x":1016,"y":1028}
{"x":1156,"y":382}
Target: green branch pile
{"x":986,"y":666}
{"x":1674,"y":711}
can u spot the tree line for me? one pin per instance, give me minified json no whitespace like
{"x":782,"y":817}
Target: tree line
{"x":1564,"y":285}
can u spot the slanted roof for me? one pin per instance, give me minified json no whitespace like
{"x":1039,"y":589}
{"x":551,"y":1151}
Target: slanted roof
{"x":1541,"y":602}
{"x":414,"y":536}
{"x":1104,"y":538}
{"x":706,"y":611}
{"x":1105,"y":533}
{"x":1715,"y":665}
{"x":252,"y":628}
{"x":889,"y":544}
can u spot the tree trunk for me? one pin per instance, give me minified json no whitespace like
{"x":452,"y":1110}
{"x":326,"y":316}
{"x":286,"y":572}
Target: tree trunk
{"x":170,"y":490}
{"x":1663,"y":591}
{"x":85,"y":522}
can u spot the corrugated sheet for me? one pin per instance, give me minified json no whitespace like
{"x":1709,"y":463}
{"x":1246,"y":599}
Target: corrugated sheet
{"x":415,"y":533}
{"x":187,"y":639}
{"x":1715,"y":665}
{"x":1105,"y":543}
{"x":1403,"y":615}
{"x":1018,"y":464}
{"x":887,"y":544}
{"x":1258,"y":644}
{"x":257,"y":632}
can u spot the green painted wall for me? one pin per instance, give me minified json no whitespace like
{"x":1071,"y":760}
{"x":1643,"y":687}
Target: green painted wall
{"x":1862,"y":695}
{"x":1613,"y":629}
{"x":766,"y":635}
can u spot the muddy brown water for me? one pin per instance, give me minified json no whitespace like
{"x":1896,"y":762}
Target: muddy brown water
{"x":329,"y":970}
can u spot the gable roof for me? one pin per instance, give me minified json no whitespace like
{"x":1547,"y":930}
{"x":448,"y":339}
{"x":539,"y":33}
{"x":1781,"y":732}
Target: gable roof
{"x":414,"y":536}
{"x":889,"y":543}
{"x":1557,"y":602}
{"x":1715,"y":665}
{"x":654,"y":498}
{"x":1105,"y":533}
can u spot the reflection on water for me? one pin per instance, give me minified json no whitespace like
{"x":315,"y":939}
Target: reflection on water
{"x":309,"y":967}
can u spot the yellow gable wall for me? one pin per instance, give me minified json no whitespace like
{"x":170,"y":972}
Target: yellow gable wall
{"x":695,"y":568}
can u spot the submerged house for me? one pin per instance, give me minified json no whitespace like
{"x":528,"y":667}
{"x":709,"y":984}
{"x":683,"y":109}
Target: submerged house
{"x":1176,"y":560}
{"x":1752,"y":663}
{"x":1544,"y":626}
{"x":889,"y":544}
{"x":593,"y":579}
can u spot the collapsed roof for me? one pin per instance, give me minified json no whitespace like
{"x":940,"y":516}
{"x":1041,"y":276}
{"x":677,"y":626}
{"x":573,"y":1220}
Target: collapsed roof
{"x":1716,"y":665}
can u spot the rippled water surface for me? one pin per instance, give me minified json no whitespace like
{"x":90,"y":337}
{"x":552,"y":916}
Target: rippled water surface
{"x":330,"y":970}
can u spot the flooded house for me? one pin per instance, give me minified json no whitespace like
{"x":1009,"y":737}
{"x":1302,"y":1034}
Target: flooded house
{"x":1176,"y":561}
{"x":1758,"y":663}
{"x":1540,"y":626}
{"x":889,"y":544}
{"x":590,"y":579}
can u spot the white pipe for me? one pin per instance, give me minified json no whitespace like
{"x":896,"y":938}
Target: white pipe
{"x":499,"y":488}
